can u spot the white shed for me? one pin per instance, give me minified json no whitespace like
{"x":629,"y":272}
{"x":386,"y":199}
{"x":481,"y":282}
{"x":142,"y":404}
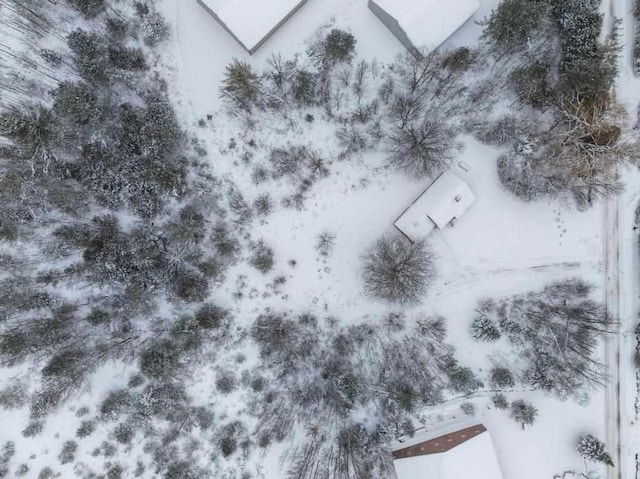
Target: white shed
{"x":445,"y":200}
{"x":453,"y":454}
{"x":423,"y":23}
{"x":251,"y":22}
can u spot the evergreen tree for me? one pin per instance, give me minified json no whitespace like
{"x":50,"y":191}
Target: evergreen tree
{"x":484,"y":329}
{"x":523,"y":412}
{"x":592,"y":449}
{"x":241,"y":85}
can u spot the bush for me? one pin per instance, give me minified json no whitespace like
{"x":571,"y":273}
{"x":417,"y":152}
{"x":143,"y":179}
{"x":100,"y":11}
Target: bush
{"x":262,"y":258}
{"x":126,"y":58}
{"x":123,"y":433}
{"x":210,"y":316}
{"x":154,"y":29}
{"x":89,"y":8}
{"x":532,"y":86}
{"x":422,"y":149}
{"x":86,"y":429}
{"x":180,"y":470}
{"x":90,"y":55}
{"x":117,"y":28}
{"x":339,"y":46}
{"x":500,"y":401}
{"x":68,"y":453}
{"x":160,"y":360}
{"x":114,"y":472}
{"x":263,"y":204}
{"x":398,"y":271}
{"x":77,"y":103}
{"x":468,"y":408}
{"x":226,"y":382}
{"x":13,"y":396}
{"x":116,"y":402}
{"x":228,"y":445}
{"x":190,"y":286}
{"x":484,"y":329}
{"x":501,"y":377}
{"x":33,"y":429}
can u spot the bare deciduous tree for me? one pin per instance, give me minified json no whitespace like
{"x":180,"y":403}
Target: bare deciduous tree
{"x":398,"y":271}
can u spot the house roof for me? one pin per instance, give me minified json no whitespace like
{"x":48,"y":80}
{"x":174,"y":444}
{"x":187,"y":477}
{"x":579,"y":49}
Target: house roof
{"x":428,"y":23}
{"x":447,"y":198}
{"x":472,"y":455}
{"x":250,"y":21}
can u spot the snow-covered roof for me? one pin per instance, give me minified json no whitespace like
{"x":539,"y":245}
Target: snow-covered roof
{"x":251,"y":21}
{"x":428,"y":23}
{"x":447,"y":198}
{"x":474,"y":457}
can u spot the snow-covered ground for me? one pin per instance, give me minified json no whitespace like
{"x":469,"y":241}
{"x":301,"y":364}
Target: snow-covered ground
{"x":500,"y":247}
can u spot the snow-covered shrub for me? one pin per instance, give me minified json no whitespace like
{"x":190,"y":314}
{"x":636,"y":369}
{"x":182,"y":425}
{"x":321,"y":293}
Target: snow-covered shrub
{"x":229,"y":437}
{"x":46,"y":473}
{"x":398,"y":271}
{"x":459,"y":59}
{"x":501,"y":377}
{"x":89,"y":52}
{"x":31,"y":128}
{"x":52,"y":57}
{"x":499,"y":400}
{"x":468,"y":408}
{"x":13,"y":396}
{"x":262,"y":257}
{"x":85,"y":429}
{"x":127,"y":58}
{"x":180,"y":470}
{"x":68,"y":452}
{"x":593,"y":449}
{"x":523,"y":412}
{"x":77,"y":103}
{"x":114,"y":471}
{"x":503,"y":131}
{"x":263,"y":204}
{"x":227,"y":246}
{"x":89,"y":8}
{"x":154,"y":29}
{"x":123,"y":433}
{"x":288,"y":162}
{"x":516,"y":174}
{"x":212,"y":317}
{"x":531,"y":83}
{"x":484,"y":329}
{"x":189,"y":285}
{"x":159,"y":360}
{"x":422,"y":148}
{"x":116,"y":402}
{"x":461,"y":379}
{"x":226,"y":382}
{"x":33,"y":428}
{"x":117,"y":28}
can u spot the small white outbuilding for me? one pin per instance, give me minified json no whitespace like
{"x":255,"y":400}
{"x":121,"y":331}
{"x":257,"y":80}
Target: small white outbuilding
{"x":445,"y":200}
{"x":251,"y":22}
{"x":458,"y":453}
{"x":423,"y":23}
